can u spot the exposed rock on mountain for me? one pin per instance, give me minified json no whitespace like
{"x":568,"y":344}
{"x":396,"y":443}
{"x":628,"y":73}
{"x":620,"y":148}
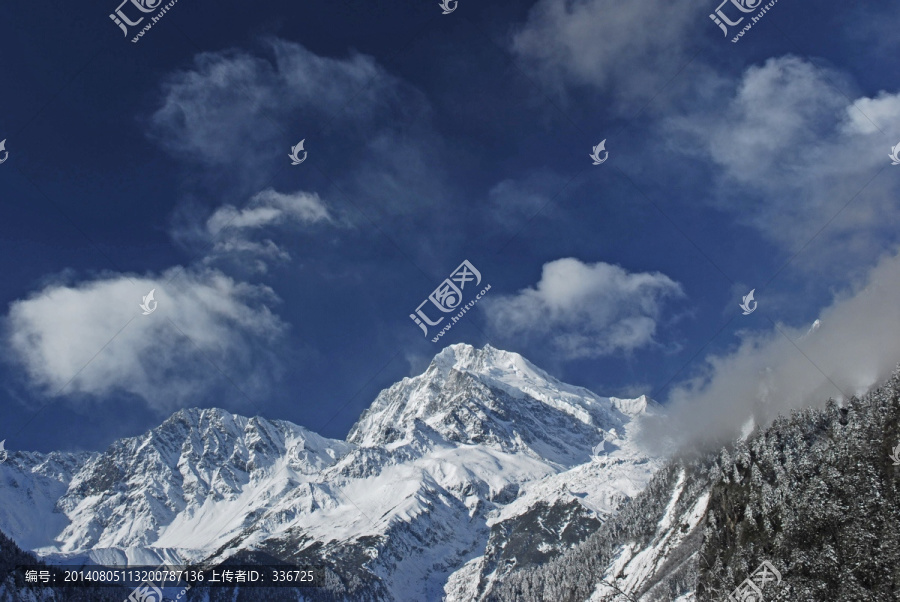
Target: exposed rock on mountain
{"x":482,"y":462}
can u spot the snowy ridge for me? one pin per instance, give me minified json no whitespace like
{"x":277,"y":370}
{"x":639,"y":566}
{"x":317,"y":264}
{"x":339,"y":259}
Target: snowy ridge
{"x":435,"y":473}
{"x":31,"y":485}
{"x":173,"y":484}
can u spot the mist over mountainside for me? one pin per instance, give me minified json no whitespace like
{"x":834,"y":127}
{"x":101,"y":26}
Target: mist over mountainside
{"x":816,"y":494}
{"x":433,"y":482}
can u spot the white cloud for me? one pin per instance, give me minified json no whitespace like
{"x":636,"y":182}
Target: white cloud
{"x":252,"y":94}
{"x":235,"y":232}
{"x":585,"y":310}
{"x":163,"y":358}
{"x":856,"y":346}
{"x":232,"y":109}
{"x":268,"y":208}
{"x":792,"y":150}
{"x":632,"y":48}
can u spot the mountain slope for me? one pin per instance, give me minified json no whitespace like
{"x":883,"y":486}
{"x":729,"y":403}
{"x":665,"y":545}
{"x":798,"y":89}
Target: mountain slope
{"x":815,"y":494}
{"x":441,"y":457}
{"x":32,"y":484}
{"x":13,"y":587}
{"x":647,"y":552}
{"x":429,"y":481}
{"x":166,"y":494}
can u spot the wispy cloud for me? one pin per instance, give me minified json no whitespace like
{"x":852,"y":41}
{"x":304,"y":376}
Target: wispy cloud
{"x":515,"y":201}
{"x":269,"y":208}
{"x":368,"y":129}
{"x":791,"y":149}
{"x":631,"y":48}
{"x":255,"y":96}
{"x":585,"y":310}
{"x":236,"y":233}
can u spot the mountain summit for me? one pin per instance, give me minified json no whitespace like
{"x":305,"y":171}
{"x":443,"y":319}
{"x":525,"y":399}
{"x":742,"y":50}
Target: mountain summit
{"x":438,"y":468}
{"x":495,"y":398}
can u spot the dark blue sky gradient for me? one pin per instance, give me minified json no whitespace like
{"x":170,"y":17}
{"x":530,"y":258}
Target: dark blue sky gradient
{"x":92,"y":191}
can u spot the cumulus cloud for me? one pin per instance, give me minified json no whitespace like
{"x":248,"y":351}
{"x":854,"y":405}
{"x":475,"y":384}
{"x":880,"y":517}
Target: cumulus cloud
{"x":631,"y":47}
{"x":585,"y":310}
{"x":855,"y":346}
{"x":791,"y":150}
{"x":203,"y":317}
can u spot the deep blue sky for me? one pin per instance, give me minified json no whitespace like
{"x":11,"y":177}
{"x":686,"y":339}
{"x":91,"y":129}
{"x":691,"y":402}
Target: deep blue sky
{"x":432,"y":139}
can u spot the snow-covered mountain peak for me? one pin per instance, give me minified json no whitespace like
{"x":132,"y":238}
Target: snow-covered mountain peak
{"x":517,"y":376}
{"x":232,"y":435}
{"x":488,"y":361}
{"x":495,"y":398}
{"x":481,"y":444}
